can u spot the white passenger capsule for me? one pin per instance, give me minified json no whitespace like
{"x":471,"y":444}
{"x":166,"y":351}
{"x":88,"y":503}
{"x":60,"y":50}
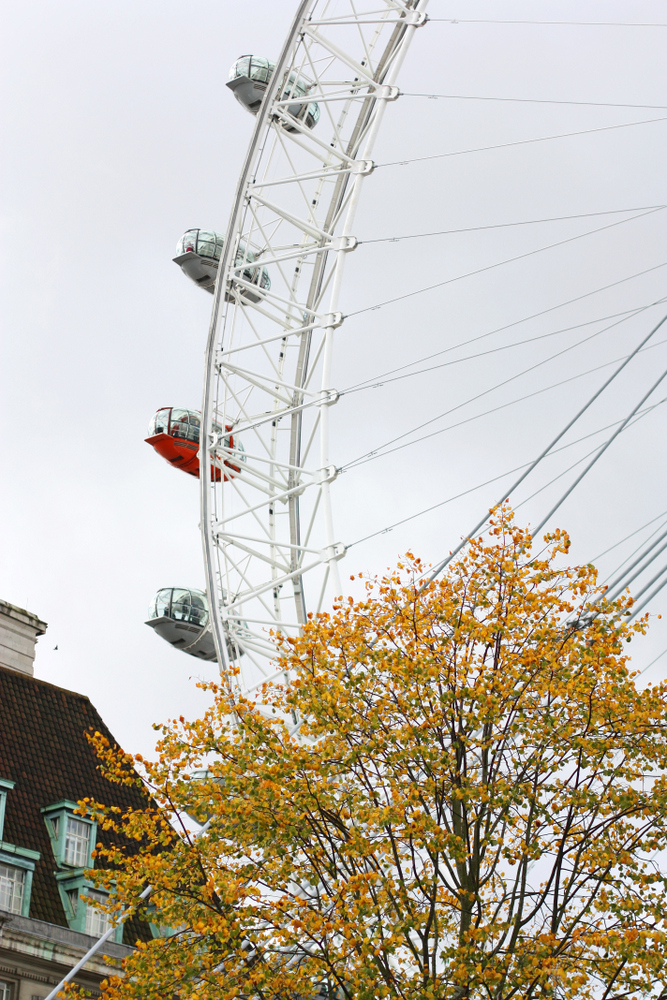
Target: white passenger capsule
{"x":248,"y":79}
{"x":198,"y":255}
{"x":180,"y":616}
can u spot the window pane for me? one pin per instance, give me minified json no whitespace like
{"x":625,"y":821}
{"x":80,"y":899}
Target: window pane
{"x":187,"y":242}
{"x":180,"y":605}
{"x":162,"y":604}
{"x":5,"y":991}
{"x":260,"y":69}
{"x":240,"y":68}
{"x":97,"y":922}
{"x":191,"y":429}
{"x":184,"y":426}
{"x":209,"y":244}
{"x":199,"y":611}
{"x":76,"y":842}
{"x":12,"y":881}
{"x":158,"y":425}
{"x":73,"y":896}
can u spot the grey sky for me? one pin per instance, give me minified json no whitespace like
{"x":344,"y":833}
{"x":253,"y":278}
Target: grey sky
{"x":120,"y":134}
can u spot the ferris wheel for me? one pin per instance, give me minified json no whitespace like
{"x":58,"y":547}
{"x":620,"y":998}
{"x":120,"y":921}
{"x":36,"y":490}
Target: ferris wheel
{"x":271,"y":551}
{"x":261,"y":444}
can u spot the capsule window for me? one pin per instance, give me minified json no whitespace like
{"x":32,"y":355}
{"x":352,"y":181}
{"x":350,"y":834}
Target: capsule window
{"x":240,"y":68}
{"x":160,"y":422}
{"x":261,"y":70}
{"x":209,"y":244}
{"x":254,"y":68}
{"x":161,"y":607}
{"x":187,"y":242}
{"x":257,"y":275}
{"x":199,"y":611}
{"x":189,"y":606}
{"x":185,"y":425}
{"x":296,"y":86}
{"x":180,"y":605}
{"x":204,"y":242}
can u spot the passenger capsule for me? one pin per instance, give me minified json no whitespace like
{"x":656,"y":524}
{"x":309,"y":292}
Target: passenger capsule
{"x":174,"y":433}
{"x":198,"y":255}
{"x":248,"y":79}
{"x":180,"y":616}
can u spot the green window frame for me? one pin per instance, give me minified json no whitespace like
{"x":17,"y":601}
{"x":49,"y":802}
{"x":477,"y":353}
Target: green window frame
{"x":67,"y":832}
{"x":72,"y":886}
{"x":14,"y":857}
{"x":24,"y":860}
{"x":5,"y":786}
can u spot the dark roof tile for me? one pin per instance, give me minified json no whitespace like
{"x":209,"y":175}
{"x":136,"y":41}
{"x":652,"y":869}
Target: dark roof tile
{"x":43,"y":748}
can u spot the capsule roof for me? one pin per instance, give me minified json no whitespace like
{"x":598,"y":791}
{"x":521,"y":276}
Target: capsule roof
{"x":180,"y":604}
{"x":205,"y":242}
{"x":180,"y":423}
{"x":256,"y":68}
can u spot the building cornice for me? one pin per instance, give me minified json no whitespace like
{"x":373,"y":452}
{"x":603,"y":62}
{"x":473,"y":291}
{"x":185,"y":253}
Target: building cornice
{"x":23,"y":616}
{"x":37,"y":939}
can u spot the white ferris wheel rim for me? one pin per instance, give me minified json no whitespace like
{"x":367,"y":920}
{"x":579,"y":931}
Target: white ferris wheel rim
{"x":269,"y":347}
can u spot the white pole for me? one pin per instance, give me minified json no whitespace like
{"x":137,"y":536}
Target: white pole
{"x":107,"y":934}
{"x":91,"y":951}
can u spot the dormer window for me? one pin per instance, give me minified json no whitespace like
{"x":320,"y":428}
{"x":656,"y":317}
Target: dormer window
{"x":72,"y":840}
{"x":17,"y":865}
{"x":83,"y":914}
{"x":72,"y":837}
{"x":82,"y":903}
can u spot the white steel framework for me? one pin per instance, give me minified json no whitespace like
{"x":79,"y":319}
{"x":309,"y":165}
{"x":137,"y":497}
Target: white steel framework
{"x":270,"y":549}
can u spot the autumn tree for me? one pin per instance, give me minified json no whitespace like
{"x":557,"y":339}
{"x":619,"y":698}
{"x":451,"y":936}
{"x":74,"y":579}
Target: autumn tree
{"x":459,"y":794}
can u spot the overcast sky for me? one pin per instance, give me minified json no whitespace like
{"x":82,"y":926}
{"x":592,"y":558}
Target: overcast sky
{"x":119,"y":134}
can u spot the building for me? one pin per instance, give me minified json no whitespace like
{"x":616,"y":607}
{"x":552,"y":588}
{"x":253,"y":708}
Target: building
{"x":46,"y":766}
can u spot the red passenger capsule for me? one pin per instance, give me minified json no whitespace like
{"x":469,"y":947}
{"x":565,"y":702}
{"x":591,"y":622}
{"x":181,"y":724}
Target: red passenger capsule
{"x":174,"y":433}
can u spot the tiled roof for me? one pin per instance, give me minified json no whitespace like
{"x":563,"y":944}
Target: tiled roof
{"x":43,"y":748}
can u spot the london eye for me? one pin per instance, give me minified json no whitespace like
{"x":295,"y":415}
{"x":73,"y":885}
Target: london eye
{"x":262,"y":445}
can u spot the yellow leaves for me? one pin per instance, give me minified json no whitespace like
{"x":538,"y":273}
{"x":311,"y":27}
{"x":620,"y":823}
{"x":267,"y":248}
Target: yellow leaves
{"x":449,"y":738}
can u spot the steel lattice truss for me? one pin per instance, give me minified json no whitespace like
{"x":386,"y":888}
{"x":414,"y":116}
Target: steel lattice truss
{"x":270,"y":546}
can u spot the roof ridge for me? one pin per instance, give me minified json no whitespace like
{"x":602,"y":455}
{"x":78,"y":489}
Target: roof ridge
{"x":30,"y":679}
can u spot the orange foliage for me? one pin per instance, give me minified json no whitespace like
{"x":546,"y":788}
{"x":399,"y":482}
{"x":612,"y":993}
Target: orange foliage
{"x":460,"y":794}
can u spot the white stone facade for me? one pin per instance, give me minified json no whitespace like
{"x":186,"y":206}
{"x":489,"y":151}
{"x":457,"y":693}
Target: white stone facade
{"x":19,"y":630}
{"x":34,"y":955}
